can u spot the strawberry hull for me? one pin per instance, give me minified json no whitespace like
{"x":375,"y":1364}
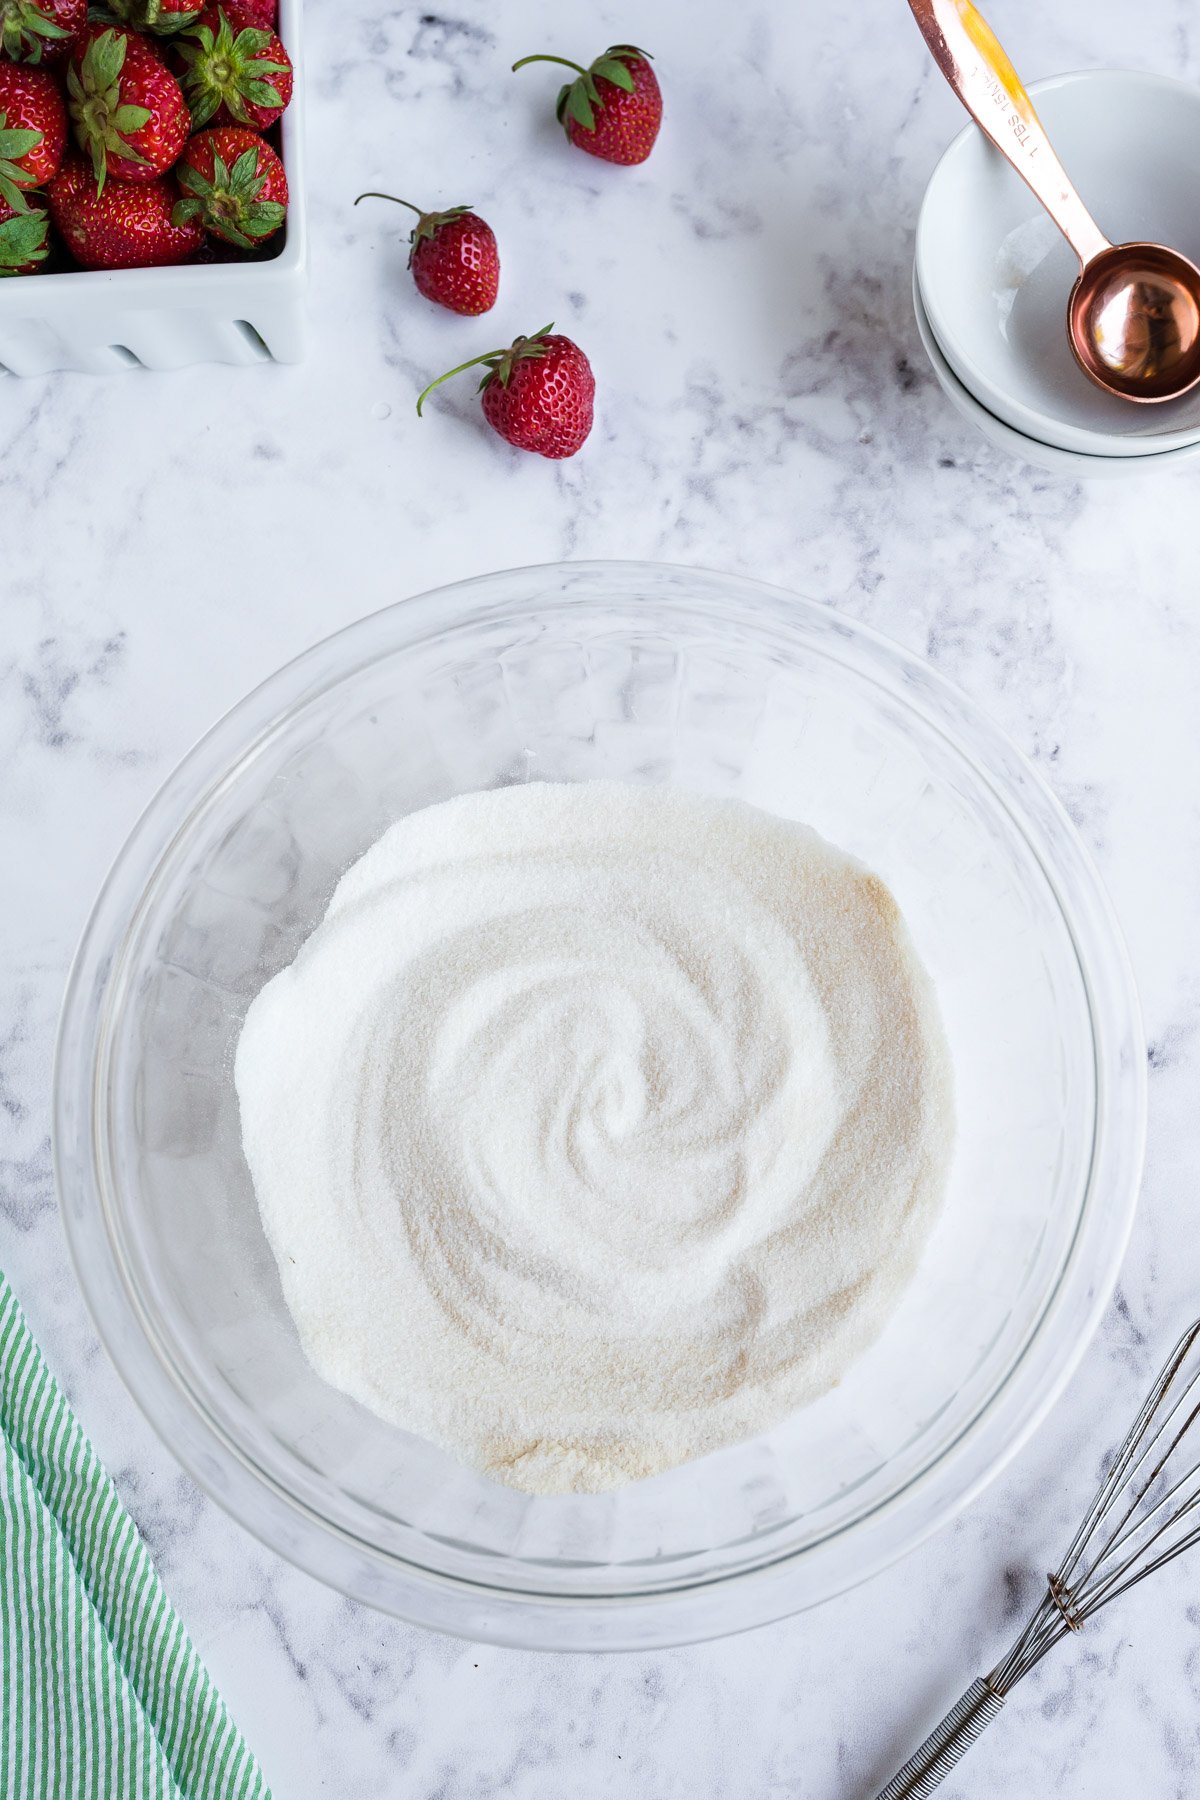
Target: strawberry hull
{"x":115,"y":76}
{"x":211,"y":310}
{"x":222,"y":69}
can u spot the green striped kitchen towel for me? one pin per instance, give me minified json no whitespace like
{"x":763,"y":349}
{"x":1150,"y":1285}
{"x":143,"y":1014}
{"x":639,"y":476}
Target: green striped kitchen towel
{"x":102,"y":1696}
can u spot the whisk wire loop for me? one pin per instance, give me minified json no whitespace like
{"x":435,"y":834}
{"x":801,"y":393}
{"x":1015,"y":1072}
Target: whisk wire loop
{"x":1145,"y":1513}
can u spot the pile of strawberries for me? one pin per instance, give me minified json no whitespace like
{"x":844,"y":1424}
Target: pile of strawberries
{"x":139,"y":133}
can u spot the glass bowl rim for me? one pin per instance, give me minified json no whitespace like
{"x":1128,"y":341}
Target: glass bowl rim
{"x":727,"y":1601}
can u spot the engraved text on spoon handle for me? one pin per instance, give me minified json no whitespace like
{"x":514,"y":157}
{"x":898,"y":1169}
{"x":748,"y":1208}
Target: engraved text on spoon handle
{"x":973,"y":61}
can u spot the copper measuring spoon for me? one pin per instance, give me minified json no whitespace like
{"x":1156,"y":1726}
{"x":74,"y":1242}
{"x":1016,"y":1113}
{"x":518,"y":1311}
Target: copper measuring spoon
{"x":1133,"y":317}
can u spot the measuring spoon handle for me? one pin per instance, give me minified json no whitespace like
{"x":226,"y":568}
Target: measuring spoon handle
{"x":971,"y":57}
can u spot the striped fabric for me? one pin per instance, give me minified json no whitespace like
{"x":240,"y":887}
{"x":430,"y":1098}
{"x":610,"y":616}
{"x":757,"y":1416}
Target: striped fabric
{"x":102,"y":1696}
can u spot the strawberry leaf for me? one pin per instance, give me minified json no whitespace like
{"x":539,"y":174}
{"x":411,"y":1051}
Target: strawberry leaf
{"x":193,"y":180}
{"x":23,"y":240}
{"x":130,"y":118}
{"x":261,"y":93}
{"x":203,"y":108}
{"x":10,"y":192}
{"x":203,"y":45}
{"x":579,"y":106}
{"x":103,"y":61}
{"x":170,"y":24}
{"x":262,"y":217}
{"x":244,"y":172}
{"x":15,"y":144}
{"x":610,"y":69}
{"x":99,"y":165}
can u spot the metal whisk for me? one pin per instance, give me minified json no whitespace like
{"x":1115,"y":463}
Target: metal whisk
{"x":1146,"y":1512}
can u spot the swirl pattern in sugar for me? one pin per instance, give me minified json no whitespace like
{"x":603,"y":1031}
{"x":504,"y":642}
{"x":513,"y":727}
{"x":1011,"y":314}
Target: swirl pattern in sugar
{"x":596,"y":1126}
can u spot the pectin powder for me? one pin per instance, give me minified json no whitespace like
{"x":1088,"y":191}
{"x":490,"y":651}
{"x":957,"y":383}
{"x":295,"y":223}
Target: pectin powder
{"x":595,"y":1127}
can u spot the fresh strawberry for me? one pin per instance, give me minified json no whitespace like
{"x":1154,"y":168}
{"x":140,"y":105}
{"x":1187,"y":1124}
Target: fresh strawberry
{"x":40,"y":31}
{"x":236,"y":76}
{"x":255,"y":15}
{"x":453,"y":257}
{"x":537,"y":394}
{"x":162,"y":17}
{"x":33,"y":131}
{"x":128,"y":226}
{"x":23,"y":235}
{"x":234,"y":185}
{"x":127,"y":108}
{"x":612,"y":110}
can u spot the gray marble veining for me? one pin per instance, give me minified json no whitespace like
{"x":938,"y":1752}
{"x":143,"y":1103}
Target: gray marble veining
{"x":763,"y":405}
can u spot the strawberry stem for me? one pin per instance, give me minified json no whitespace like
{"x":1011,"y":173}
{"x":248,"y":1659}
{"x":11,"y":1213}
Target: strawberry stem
{"x":565,"y":63}
{"x":372,"y":195}
{"x":474,"y":363}
{"x":494,"y":359}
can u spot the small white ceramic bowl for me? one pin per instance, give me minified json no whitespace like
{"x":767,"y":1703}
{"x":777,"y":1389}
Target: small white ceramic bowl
{"x":995,"y":272}
{"x":1073,"y":465}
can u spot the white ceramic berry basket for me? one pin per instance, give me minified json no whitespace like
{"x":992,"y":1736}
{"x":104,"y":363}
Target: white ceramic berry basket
{"x":102,"y":321}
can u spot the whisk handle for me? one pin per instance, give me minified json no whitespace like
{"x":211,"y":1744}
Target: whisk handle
{"x":929,"y":1766}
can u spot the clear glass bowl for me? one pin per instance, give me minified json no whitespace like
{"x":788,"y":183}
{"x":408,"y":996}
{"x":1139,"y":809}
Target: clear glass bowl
{"x":646,"y":674}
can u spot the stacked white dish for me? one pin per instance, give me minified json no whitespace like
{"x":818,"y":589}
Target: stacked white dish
{"x":992,"y":273}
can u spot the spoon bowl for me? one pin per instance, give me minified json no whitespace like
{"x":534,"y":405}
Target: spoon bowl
{"x":1133,"y":321}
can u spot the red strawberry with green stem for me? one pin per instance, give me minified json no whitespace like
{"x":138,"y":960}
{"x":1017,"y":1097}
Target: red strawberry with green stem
{"x":453,"y":256}
{"x":612,"y":110}
{"x":234,"y":185}
{"x":236,"y":76}
{"x":127,"y":108}
{"x":163,"y":17}
{"x":40,"y":31}
{"x":23,"y":239}
{"x":537,"y":394}
{"x":130,"y":225}
{"x":33,"y":131}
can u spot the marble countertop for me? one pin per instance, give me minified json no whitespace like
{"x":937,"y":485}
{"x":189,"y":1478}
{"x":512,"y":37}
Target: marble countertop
{"x":763,"y":406}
